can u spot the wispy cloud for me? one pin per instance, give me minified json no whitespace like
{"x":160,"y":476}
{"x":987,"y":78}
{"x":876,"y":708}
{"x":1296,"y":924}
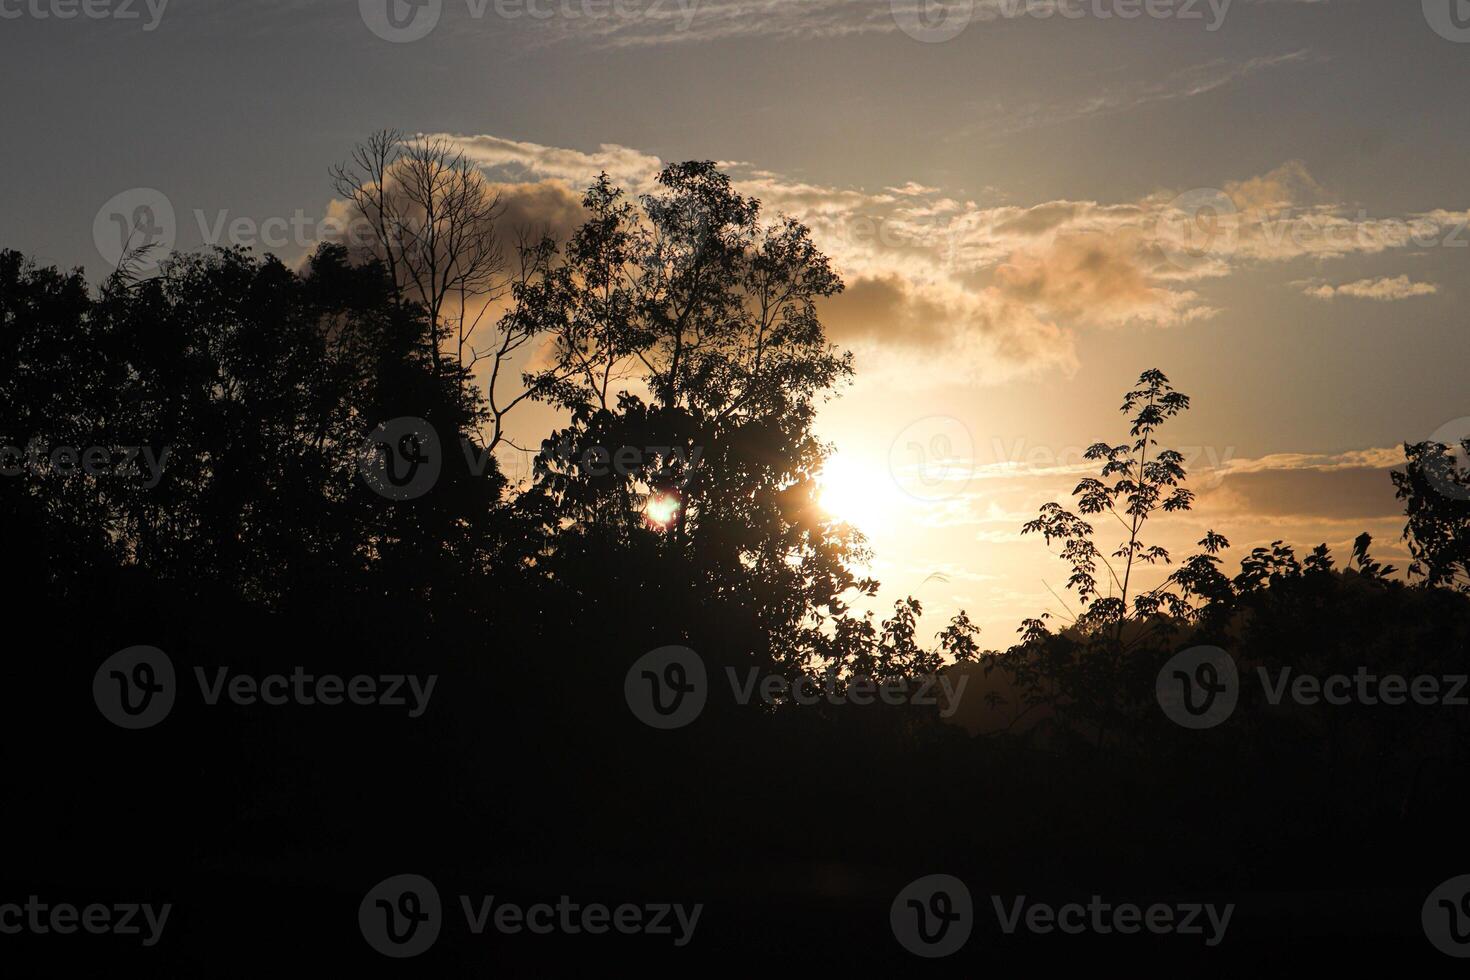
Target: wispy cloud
{"x":642,"y":23}
{"x":1384,"y":290}
{"x":1009,"y":114}
{"x":517,"y":160}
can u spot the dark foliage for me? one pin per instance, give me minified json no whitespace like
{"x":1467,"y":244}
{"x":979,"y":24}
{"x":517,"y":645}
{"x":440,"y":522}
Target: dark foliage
{"x":261,"y":548}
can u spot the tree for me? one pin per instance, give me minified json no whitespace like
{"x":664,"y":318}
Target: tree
{"x":708,"y":313}
{"x":431,"y":219}
{"x":255,"y":387}
{"x":692,"y":301}
{"x":1436,"y":491}
{"x":1136,"y":480}
{"x":589,"y":301}
{"x":691,"y":294}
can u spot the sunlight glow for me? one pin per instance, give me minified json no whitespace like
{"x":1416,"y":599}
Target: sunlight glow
{"x":863,"y":495}
{"x":661,"y":510}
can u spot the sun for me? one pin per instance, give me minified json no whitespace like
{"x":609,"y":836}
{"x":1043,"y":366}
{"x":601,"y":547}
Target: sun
{"x":858,"y":493}
{"x":661,"y":510}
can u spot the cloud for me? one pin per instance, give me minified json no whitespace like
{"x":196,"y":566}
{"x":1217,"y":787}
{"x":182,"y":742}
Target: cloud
{"x":1009,"y":114}
{"x":1009,"y":479}
{"x":642,"y":23}
{"x":943,"y":289}
{"x":1094,"y":278}
{"x":1382,"y":459}
{"x":884,"y":307}
{"x":549,"y":207}
{"x":1287,"y":185}
{"x":1346,"y":494}
{"x":513,"y":159}
{"x":528,"y":209}
{"x":1385,"y":290}
{"x":917,"y":334}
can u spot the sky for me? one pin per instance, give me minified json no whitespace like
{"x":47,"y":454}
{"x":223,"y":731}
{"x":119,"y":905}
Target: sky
{"x":1030,"y":202}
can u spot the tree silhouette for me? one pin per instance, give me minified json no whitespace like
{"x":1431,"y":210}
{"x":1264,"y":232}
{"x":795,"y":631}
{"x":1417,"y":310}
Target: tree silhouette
{"x":1137,"y":479}
{"x":1436,"y":491}
{"x":678,"y":333}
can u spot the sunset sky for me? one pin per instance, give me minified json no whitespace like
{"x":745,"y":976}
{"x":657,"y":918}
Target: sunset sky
{"x":1027,"y":214}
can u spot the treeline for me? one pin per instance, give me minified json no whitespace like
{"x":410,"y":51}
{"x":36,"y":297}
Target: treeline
{"x":682,"y":326}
